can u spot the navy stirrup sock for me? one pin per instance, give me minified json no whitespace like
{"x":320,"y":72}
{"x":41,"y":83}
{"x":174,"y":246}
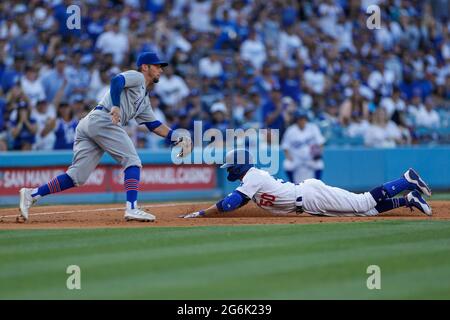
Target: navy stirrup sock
{"x":58,"y":184}
{"x":396,"y":186}
{"x":132,"y":177}
{"x":389,"y":204}
{"x":390,"y":189}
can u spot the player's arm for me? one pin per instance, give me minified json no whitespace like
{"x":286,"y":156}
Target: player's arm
{"x":118,"y":83}
{"x":164,"y":131}
{"x":231,"y":202}
{"x":116,"y":87}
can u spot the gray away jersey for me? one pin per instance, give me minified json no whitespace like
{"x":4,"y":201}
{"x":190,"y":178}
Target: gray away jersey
{"x":134,"y":103}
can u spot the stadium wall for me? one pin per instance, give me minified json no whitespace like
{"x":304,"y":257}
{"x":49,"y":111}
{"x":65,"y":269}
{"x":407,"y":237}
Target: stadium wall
{"x":352,"y":168}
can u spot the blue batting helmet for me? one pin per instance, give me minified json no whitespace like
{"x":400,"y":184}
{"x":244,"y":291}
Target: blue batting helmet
{"x":237,"y":163}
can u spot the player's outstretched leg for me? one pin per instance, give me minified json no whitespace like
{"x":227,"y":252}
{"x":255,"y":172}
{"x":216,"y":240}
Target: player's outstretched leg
{"x":412,"y":199}
{"x":131,"y":181}
{"x":29,"y":196}
{"x":409,"y":181}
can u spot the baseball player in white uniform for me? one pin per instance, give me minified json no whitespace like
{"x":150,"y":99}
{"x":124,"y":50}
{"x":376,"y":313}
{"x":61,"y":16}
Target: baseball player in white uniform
{"x":103,"y":130}
{"x":313,"y":196}
{"x":302,"y":145}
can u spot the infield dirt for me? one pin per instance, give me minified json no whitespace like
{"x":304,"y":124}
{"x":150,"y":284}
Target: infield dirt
{"x":111,"y":215}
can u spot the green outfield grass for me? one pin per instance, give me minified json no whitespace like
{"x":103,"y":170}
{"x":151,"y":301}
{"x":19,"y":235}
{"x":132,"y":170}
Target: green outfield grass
{"x":230,"y":262}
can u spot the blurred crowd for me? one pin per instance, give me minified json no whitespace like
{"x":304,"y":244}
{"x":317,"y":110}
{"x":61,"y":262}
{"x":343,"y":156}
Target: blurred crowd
{"x":233,"y":64}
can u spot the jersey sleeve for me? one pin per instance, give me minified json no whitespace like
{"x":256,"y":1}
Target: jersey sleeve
{"x":133,"y":78}
{"x":147,"y":115}
{"x":250,"y":184}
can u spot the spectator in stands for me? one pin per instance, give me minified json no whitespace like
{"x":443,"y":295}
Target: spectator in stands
{"x":55,"y":78}
{"x":210,"y":66}
{"x":353,"y":105}
{"x":171,"y":88}
{"x":113,"y":41}
{"x":272,"y":112}
{"x":12,"y":74}
{"x":253,"y":50}
{"x":65,"y":127}
{"x":315,"y":78}
{"x":31,"y":85}
{"x":394,"y":103}
{"x":290,"y":84}
{"x":78,"y":78}
{"x":266,"y":81}
{"x":219,"y":120}
{"x":382,"y":133}
{"x":45,"y":117}
{"x":426,"y":116}
{"x":23,"y":128}
{"x":415,"y":105}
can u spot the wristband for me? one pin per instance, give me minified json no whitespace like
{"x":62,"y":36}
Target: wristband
{"x":169,"y":136}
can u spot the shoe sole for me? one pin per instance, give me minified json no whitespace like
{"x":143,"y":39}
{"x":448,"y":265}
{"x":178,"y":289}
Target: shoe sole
{"x":22,"y":205}
{"x":417,"y":204}
{"x":139,"y":219}
{"x":413,"y":177}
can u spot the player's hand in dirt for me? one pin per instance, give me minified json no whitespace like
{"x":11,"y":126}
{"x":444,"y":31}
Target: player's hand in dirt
{"x":186,"y":146}
{"x":196,"y":214}
{"x":115,"y":115}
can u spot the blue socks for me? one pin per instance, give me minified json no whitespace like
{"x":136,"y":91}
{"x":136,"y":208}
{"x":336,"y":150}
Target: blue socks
{"x":389,"y":204}
{"x":58,"y":184}
{"x":379,"y":193}
{"x":396,"y":186}
{"x":384,"y":194}
{"x":391,"y":189}
{"x":131,"y":182}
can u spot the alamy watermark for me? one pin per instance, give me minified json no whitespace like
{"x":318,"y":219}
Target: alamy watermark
{"x":73,"y":282}
{"x":74,"y":19}
{"x":211,"y":146}
{"x":374,"y":280}
{"x":374,"y":20}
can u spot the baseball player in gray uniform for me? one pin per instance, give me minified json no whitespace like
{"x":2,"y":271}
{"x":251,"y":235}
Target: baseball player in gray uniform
{"x":102,"y":130}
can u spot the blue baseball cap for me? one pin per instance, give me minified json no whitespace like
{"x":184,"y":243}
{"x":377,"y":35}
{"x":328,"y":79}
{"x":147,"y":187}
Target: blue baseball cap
{"x":150,"y":58}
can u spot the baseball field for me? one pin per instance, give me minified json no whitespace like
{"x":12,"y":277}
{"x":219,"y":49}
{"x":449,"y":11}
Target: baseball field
{"x":246,"y":255}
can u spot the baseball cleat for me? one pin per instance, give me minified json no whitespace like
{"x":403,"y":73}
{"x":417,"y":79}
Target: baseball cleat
{"x":26,"y":201}
{"x":413,"y":177}
{"x":414,"y":199}
{"x":138,"y":215}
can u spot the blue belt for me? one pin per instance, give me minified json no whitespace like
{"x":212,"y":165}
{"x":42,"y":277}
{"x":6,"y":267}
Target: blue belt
{"x":99,"y":108}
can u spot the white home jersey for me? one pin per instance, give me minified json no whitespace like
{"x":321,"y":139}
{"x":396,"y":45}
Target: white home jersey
{"x":274,"y":195}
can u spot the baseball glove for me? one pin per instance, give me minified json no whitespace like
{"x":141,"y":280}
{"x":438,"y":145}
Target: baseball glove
{"x":186,"y":146}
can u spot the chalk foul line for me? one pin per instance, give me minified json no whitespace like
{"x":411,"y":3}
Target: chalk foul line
{"x":162,"y":205}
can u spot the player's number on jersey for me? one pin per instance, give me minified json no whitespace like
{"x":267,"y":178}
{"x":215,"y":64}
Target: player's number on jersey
{"x":266,"y":200}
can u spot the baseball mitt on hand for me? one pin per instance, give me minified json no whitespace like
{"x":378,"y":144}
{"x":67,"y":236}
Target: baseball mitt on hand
{"x":186,"y":146}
